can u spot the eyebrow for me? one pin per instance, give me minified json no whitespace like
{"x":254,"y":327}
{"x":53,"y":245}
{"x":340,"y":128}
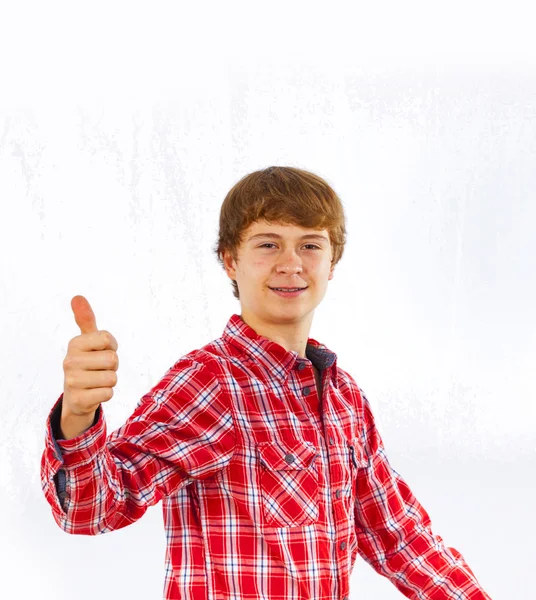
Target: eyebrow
{"x":276,"y":236}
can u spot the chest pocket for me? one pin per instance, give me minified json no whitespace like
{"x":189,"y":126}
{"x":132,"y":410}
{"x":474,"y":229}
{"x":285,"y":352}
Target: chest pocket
{"x":356,"y":459}
{"x":289,"y":482}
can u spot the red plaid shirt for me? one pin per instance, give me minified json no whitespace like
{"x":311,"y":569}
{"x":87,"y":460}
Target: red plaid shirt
{"x":268,"y":491}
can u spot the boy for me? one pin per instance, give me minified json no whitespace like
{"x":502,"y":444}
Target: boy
{"x":265,"y":453}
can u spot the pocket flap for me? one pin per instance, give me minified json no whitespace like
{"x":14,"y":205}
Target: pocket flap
{"x":358,"y":455}
{"x":286,"y":455}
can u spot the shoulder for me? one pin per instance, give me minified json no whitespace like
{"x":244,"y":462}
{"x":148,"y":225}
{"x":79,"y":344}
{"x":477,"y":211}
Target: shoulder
{"x":193,"y":374}
{"x":347,"y":383}
{"x":350,"y":388}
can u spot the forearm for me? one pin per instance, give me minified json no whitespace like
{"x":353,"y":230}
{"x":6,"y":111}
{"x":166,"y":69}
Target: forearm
{"x":426,"y":567}
{"x":395,"y":534}
{"x":90,"y":491}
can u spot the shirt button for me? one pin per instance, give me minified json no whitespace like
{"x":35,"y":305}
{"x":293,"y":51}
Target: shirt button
{"x":338,"y":493}
{"x":301,"y":366}
{"x":343,"y":545}
{"x":331,"y":441}
{"x":290,"y":458}
{"x":306,"y":391}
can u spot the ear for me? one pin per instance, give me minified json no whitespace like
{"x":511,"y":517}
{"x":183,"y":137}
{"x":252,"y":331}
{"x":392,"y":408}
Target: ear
{"x":229,"y":264}
{"x":331,"y":271}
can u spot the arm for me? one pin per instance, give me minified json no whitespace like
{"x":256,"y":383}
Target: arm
{"x":66,"y":426}
{"x":180,"y":431}
{"x":394,"y":531}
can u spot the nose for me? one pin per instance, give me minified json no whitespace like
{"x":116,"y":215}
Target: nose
{"x":289,"y":262}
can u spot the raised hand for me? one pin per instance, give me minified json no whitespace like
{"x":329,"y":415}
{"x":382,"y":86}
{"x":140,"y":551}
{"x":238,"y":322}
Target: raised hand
{"x":90,"y":369}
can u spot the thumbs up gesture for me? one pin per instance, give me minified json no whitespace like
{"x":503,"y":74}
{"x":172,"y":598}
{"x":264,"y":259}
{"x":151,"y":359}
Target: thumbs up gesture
{"x":90,"y":366}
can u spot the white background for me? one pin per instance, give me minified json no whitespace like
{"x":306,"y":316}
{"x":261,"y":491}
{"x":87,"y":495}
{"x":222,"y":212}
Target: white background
{"x":123,"y":126}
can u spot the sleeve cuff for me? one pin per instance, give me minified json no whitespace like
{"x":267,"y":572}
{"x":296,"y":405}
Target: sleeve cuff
{"x":76,"y":451}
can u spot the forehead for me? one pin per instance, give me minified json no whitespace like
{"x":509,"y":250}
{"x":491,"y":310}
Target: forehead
{"x":285,"y":230}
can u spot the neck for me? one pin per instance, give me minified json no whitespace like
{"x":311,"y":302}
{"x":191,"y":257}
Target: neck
{"x":291,"y":335}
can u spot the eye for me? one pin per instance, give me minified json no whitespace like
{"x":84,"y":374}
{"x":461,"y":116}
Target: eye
{"x":270,"y":244}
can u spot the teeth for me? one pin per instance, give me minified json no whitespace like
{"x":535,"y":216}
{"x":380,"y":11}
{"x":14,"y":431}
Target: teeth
{"x":287,"y":290}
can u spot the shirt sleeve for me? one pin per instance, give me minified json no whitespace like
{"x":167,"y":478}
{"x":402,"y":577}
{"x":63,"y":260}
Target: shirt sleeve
{"x":394,"y":531}
{"x":181,"y":431}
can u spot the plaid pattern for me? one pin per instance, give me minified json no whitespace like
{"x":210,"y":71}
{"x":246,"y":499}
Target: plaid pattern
{"x":268,"y":492}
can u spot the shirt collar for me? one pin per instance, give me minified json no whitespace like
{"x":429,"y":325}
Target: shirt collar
{"x":271,"y":355}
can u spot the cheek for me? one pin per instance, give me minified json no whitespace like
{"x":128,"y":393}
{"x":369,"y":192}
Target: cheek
{"x":257,"y":270}
{"x":260,"y":264}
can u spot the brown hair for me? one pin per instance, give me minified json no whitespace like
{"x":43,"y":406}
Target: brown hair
{"x":280,"y":195}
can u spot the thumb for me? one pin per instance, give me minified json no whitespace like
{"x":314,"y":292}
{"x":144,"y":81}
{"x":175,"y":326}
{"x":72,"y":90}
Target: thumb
{"x":83,"y":315}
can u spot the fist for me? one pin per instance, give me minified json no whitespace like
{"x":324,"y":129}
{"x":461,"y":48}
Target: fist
{"x":90,"y":364}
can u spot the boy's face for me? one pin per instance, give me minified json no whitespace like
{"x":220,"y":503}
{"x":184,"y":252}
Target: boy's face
{"x":289,"y":260}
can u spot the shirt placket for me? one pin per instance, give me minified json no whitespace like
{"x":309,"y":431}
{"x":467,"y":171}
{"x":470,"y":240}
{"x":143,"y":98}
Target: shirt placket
{"x":340,"y":496}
